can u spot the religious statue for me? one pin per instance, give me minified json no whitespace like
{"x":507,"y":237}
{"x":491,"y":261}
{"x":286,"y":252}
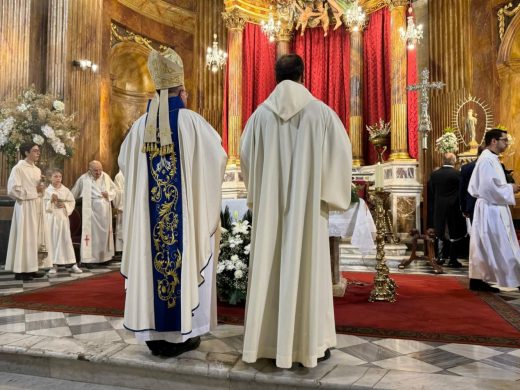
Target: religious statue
{"x":305,"y":15}
{"x":470,"y":124}
{"x":337,"y":12}
{"x":323,"y":9}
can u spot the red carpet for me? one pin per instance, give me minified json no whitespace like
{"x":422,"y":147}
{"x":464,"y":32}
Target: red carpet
{"x":433,"y":308}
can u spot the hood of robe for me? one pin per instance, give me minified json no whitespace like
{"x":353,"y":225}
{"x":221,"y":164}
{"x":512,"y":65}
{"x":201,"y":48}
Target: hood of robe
{"x":288,"y":99}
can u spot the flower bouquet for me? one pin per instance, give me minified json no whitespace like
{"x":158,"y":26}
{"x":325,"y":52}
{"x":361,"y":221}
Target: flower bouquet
{"x":38,"y":118}
{"x":447,"y":142}
{"x":233,"y":263}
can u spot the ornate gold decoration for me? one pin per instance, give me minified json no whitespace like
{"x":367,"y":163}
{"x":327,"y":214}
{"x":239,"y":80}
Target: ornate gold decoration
{"x":119,"y":34}
{"x":164,"y":232}
{"x":470,"y":103}
{"x":501,"y":15}
{"x":396,"y":3}
{"x":234,"y":19}
{"x":384,"y":286}
{"x":285,"y":34}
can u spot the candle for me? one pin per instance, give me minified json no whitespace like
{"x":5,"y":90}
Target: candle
{"x":379,"y":175}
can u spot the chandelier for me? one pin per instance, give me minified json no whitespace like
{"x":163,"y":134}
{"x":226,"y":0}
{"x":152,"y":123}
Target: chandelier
{"x":215,"y":57}
{"x":271,"y":28}
{"x":413,"y":34}
{"x":354,"y":16}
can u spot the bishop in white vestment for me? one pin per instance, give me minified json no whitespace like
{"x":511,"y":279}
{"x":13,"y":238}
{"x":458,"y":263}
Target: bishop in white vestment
{"x":25,"y":187}
{"x":494,"y":253}
{"x":97,"y":190}
{"x":173,"y":180}
{"x":296,"y":159}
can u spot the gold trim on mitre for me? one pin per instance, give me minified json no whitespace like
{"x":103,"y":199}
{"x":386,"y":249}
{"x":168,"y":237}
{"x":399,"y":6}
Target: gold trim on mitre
{"x":166,"y":69}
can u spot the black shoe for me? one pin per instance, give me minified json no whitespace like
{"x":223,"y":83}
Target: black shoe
{"x":23,"y":276}
{"x":325,"y":356}
{"x":454,"y":264}
{"x":440,"y":261}
{"x":166,"y":349}
{"x":480,"y":285}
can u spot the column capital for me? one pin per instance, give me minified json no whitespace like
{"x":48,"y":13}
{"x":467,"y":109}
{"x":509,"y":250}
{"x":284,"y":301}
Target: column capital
{"x":396,"y":3}
{"x":356,"y":28}
{"x":285,"y":34}
{"x":234,"y":19}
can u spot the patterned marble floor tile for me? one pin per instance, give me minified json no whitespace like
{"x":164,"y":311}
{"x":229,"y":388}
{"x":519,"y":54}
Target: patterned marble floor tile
{"x":102,"y":337}
{"x":504,"y":361}
{"x":403,"y":346}
{"x":369,"y":352}
{"x":101,"y":325}
{"x":476,"y":352}
{"x":15,"y":327}
{"x":32,"y":315}
{"x":345,"y":340}
{"x":78,"y":320}
{"x":13,"y":319}
{"x":62,"y":331}
{"x":483,"y":370}
{"x":441,"y":358}
{"x":338,"y":357}
{"x":406,"y":363}
{"x":45,"y":324}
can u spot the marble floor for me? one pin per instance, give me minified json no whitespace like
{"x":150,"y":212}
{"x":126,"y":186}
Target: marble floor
{"x":90,"y":350}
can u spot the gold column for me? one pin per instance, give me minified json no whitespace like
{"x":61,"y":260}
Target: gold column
{"x":283,"y":41}
{"x":235,"y":22}
{"x":356,"y":95}
{"x":398,"y":69}
{"x":56,"y":46}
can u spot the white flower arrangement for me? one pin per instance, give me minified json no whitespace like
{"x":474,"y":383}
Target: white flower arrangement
{"x":233,"y":264}
{"x":447,"y":142}
{"x":38,"y":118}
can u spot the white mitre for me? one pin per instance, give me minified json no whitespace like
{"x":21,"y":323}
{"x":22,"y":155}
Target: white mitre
{"x":167,"y":71}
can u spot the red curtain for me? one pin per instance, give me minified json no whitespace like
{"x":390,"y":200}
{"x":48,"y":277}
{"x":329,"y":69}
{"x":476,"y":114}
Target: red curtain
{"x":258,"y":76}
{"x":376,"y":57}
{"x":413,"y":116}
{"x":327,"y":67}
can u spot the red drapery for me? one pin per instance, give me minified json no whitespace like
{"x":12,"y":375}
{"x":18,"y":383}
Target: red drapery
{"x":327,"y":67}
{"x":376,"y":57}
{"x":413,"y":117}
{"x":258,"y":76}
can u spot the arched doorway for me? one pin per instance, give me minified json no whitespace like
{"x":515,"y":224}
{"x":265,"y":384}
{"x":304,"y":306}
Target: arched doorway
{"x":132,"y":86}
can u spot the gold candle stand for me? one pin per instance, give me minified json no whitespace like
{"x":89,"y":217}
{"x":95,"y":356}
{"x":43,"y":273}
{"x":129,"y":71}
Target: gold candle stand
{"x":384,"y":286}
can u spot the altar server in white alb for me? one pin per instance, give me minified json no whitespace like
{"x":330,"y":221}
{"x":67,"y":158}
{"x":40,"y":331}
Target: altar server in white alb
{"x":26,"y":188}
{"x":97,"y":190}
{"x":173,"y":164}
{"x":58,"y":204}
{"x":119,"y":201}
{"x":494,"y":253}
{"x":296,"y":159}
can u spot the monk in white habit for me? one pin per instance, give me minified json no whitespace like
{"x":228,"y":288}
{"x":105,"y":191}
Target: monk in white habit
{"x":173,"y":164}
{"x":97,"y":190}
{"x":494,"y":253}
{"x":296,"y":159}
{"x":25,"y":186}
{"x":119,"y":181}
{"x":58,"y":204}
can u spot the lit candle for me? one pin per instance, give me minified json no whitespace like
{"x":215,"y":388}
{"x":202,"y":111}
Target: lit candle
{"x":379,"y":175}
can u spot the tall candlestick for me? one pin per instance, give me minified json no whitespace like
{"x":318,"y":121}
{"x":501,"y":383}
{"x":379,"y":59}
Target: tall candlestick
{"x":379,"y":175}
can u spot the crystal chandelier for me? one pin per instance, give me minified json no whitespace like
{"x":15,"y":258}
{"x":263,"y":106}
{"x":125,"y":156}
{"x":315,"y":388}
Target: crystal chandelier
{"x":354,"y":17}
{"x":271,"y":28}
{"x":413,"y":34}
{"x":215,"y":57}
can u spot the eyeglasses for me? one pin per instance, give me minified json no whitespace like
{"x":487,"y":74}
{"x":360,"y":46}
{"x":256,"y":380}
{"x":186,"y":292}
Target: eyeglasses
{"x":505,"y":139}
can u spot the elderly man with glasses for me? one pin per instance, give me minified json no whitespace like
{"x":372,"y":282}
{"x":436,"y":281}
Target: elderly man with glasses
{"x":494,"y":254}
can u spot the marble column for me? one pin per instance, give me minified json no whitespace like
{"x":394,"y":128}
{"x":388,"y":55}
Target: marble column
{"x":235,"y":22}
{"x":398,"y":69}
{"x":56,"y":46}
{"x":356,"y":94}
{"x":283,"y":41}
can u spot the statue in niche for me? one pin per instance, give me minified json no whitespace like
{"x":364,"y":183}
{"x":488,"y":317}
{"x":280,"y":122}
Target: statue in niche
{"x":470,"y":125}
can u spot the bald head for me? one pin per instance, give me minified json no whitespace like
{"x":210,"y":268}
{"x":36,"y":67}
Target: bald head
{"x":449,"y":159}
{"x":95,"y":169}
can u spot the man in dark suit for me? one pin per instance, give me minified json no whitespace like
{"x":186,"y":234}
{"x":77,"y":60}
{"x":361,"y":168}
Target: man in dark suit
{"x":448,"y":221}
{"x":467,"y":202}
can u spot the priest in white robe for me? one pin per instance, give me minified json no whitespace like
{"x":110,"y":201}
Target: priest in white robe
{"x":296,"y":159}
{"x":119,"y":201}
{"x":98,"y":191}
{"x":173,"y":164}
{"x":494,"y":253}
{"x":58,"y":204}
{"x":26,"y":188}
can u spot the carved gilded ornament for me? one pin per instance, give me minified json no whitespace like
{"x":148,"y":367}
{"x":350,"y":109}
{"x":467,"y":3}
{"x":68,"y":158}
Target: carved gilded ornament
{"x":502,"y":14}
{"x":285,"y":34}
{"x":121,"y":35}
{"x":234,"y":19}
{"x":396,"y":3}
